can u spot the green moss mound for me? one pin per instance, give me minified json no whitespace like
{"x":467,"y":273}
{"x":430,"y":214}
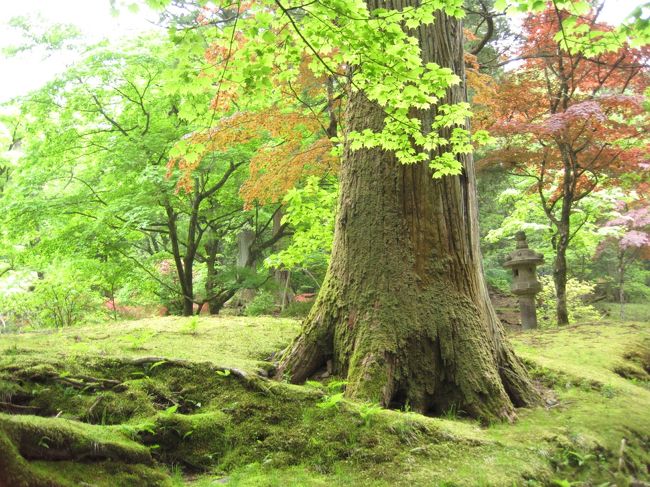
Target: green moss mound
{"x":75,"y":417}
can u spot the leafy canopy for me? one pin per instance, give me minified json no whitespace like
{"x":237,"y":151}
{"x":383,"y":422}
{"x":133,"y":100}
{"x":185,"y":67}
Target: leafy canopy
{"x":261,"y":47}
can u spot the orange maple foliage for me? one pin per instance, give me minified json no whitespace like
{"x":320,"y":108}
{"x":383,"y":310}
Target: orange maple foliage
{"x":482,"y":86}
{"x":297,"y":141}
{"x":277,"y":165}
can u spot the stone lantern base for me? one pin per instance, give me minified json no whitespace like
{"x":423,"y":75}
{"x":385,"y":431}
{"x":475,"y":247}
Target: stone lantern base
{"x":528,"y":312}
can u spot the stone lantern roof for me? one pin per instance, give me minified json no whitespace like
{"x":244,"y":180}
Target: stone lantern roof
{"x":522,"y":255}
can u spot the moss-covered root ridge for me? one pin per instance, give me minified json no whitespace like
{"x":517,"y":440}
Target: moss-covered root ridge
{"x":14,"y":469}
{"x":40,"y":438}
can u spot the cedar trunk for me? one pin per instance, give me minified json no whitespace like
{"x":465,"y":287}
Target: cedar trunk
{"x":403,"y":312}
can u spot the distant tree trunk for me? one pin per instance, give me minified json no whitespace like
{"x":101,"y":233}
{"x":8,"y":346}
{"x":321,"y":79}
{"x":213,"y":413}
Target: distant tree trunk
{"x":246,"y":261}
{"x":404,"y":312}
{"x":621,"y":281}
{"x":211,"y":252}
{"x":560,"y":278}
{"x":245,"y":240}
{"x":282,"y":276}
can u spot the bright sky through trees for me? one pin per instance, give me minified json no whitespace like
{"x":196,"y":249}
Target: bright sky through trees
{"x":28,"y":71}
{"x":93,"y":18}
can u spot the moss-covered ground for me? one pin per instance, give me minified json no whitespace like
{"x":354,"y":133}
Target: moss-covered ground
{"x":177,"y":401}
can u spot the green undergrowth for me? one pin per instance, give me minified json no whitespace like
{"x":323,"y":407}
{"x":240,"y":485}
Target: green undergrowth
{"x":182,"y":405}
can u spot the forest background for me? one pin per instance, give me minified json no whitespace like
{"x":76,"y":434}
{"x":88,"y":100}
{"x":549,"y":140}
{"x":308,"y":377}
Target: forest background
{"x":131,"y":185}
{"x":316,"y":160}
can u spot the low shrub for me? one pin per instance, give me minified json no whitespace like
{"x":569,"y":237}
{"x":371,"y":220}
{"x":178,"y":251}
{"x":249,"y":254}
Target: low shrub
{"x":577,"y":292}
{"x":297,"y":309}
{"x":262,"y":304}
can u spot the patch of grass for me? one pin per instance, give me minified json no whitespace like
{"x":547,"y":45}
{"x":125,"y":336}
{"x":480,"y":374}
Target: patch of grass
{"x":234,"y":341}
{"x":260,"y":475}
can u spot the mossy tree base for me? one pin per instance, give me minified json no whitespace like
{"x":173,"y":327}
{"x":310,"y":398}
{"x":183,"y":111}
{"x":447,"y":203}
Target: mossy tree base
{"x":422,"y":357}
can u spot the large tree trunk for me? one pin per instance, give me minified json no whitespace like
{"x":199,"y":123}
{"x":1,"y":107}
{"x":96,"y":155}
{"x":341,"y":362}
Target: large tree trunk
{"x":404,"y":312}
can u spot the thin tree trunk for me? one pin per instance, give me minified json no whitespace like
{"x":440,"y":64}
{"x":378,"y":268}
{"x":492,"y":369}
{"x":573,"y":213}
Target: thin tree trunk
{"x":113,"y":302}
{"x":560,"y":278}
{"x":281,"y":276}
{"x":183,"y":265}
{"x":284,"y":299}
{"x":404,"y":312}
{"x":564,"y":227}
{"x":621,"y":281}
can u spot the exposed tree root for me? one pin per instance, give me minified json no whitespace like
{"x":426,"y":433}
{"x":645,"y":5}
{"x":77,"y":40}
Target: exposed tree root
{"x":89,"y":383}
{"x":9,"y":407}
{"x":14,"y":469}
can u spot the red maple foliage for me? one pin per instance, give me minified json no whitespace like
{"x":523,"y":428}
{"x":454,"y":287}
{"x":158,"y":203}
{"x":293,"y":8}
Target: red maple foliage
{"x":568,"y":122}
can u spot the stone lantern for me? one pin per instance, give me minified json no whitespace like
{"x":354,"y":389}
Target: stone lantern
{"x":523,"y":262}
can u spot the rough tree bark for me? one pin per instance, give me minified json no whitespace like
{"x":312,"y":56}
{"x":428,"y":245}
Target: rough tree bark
{"x":404,"y":312}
